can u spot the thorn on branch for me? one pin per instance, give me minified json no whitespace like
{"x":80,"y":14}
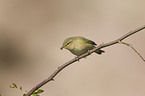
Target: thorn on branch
{"x":35,"y":87}
{"x":52,"y":79}
{"x":102,"y":44}
{"x":119,"y":42}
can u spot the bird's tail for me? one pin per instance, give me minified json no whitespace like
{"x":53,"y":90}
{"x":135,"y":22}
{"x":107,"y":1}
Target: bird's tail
{"x":99,"y":52}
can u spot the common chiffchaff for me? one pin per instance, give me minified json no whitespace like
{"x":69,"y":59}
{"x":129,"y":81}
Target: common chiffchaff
{"x":79,"y":45}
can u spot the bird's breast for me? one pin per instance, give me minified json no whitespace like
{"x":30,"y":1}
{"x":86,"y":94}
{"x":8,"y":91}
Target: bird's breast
{"x":79,"y":47}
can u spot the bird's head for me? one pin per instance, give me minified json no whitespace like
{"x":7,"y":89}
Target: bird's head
{"x":67,"y":43}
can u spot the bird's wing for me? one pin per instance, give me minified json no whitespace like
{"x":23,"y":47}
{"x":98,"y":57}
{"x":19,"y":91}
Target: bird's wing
{"x":90,"y":41}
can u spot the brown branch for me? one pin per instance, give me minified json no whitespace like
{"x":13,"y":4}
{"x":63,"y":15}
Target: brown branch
{"x":51,"y":77}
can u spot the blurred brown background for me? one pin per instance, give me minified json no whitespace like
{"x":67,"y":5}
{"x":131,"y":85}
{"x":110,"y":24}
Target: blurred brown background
{"x":32,"y":31}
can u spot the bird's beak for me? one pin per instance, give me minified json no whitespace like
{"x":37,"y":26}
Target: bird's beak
{"x":62,"y":47}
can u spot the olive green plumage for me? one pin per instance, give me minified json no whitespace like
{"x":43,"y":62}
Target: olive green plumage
{"x":79,"y":45}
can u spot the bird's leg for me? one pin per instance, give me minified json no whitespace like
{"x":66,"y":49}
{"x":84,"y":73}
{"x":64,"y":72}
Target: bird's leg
{"x":77,"y":58}
{"x":89,"y":52}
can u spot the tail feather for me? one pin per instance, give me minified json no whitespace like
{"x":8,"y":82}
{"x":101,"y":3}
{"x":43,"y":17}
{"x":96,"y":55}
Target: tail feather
{"x":100,"y":52}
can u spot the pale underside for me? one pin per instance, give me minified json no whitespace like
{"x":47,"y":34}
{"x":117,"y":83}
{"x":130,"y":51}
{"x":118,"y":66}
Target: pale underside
{"x":80,"y":48}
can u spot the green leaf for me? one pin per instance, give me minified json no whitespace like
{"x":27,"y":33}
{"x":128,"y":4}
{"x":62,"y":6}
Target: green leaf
{"x":15,"y":85}
{"x":34,"y":95}
{"x":38,"y":91}
{"x":21,"y":88}
{"x":12,"y":86}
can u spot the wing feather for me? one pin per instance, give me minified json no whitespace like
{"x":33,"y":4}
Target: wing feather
{"x":89,"y":41}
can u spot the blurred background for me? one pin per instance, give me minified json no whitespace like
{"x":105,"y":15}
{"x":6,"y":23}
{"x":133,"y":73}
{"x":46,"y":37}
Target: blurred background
{"x":32,"y":32}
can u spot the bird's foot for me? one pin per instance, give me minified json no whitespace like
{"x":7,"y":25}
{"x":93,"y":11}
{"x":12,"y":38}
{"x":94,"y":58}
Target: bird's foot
{"x":77,"y":58}
{"x":89,"y":52}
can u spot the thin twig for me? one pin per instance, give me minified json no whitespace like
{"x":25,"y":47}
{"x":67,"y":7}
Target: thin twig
{"x":133,"y":50}
{"x":51,"y":77}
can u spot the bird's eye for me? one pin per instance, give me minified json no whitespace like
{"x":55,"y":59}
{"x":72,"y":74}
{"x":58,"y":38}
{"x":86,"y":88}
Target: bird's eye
{"x":67,"y":43}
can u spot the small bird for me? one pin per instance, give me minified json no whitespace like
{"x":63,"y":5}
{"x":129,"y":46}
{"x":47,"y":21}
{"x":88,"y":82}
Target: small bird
{"x":79,"y":45}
